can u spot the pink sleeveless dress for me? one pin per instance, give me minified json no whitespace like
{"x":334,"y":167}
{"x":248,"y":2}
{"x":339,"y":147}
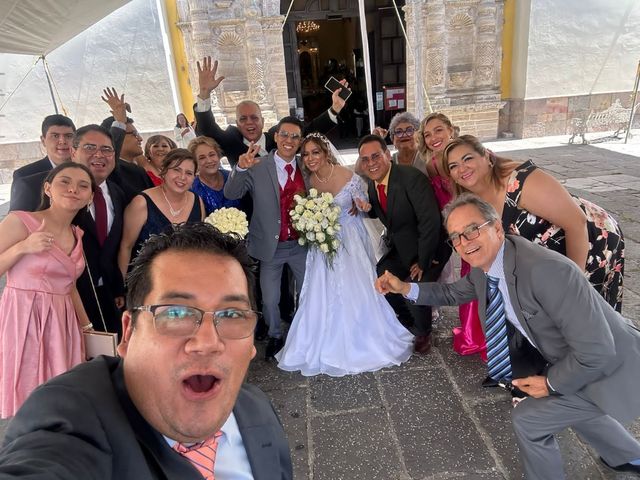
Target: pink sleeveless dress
{"x":468,"y":338}
{"x":39,"y":332}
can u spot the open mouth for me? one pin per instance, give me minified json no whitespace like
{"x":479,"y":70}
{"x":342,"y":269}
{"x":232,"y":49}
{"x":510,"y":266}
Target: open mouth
{"x":200,"y":386}
{"x":98,"y":164}
{"x":472,"y":250}
{"x":436,"y":145}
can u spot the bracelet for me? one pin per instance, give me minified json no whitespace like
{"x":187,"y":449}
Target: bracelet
{"x":333,"y":112}
{"x":87,"y":327}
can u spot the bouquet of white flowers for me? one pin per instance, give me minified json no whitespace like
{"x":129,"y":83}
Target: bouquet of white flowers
{"x":229,"y":220}
{"x":315,"y":218}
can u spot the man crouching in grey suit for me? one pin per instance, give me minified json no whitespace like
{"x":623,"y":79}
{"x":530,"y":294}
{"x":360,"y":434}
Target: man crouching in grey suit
{"x":588,"y":355}
{"x":174,"y":405}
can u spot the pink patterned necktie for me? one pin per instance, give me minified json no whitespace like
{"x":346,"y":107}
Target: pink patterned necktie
{"x":201,"y":455}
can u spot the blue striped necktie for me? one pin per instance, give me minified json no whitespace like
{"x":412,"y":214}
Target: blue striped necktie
{"x":498,"y":360}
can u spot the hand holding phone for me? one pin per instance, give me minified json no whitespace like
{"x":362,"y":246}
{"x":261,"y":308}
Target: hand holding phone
{"x":333,"y":84}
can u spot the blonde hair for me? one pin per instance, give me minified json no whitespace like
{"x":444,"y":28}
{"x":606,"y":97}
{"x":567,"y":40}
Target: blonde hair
{"x":202,"y":140}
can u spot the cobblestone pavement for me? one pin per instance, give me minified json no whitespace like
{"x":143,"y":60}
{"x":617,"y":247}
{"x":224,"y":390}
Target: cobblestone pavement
{"x":429,"y":418}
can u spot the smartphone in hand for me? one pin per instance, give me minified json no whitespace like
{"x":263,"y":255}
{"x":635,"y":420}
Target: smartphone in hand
{"x":333,"y":84}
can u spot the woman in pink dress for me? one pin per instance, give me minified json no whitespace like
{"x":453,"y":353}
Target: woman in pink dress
{"x":41,"y":314}
{"x":436,"y":131}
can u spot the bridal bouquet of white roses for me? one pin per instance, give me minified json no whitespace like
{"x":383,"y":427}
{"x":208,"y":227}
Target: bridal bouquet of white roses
{"x":229,"y":220}
{"x":315,"y":218}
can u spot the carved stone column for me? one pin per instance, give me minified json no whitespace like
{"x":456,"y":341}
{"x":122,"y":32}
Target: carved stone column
{"x":245,"y":37}
{"x":459,"y":47}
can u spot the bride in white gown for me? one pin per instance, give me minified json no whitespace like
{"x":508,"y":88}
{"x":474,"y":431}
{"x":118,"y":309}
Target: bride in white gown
{"x":342,"y":325}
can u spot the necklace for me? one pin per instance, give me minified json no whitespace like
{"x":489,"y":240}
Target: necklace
{"x":174,"y":213}
{"x":326,"y":179}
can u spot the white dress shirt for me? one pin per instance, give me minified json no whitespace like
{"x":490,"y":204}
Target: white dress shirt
{"x":282,"y":173}
{"x":232,"y":462}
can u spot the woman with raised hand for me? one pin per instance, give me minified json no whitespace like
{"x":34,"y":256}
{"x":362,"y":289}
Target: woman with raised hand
{"x":536,"y":206}
{"x":342,"y":326}
{"x":209,"y":183}
{"x":159,"y":208}
{"x":41,"y":315}
{"x":155,"y":151}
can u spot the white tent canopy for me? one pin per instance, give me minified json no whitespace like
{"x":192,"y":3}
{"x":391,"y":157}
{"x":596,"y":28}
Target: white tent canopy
{"x":37,"y":27}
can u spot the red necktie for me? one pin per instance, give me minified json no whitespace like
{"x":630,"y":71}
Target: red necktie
{"x":289,"y":169}
{"x":100,"y":206}
{"x":201,"y":455}
{"x":382,"y":196}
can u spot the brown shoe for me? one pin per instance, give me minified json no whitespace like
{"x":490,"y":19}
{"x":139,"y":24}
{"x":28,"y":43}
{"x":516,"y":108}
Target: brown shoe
{"x":422,"y":344}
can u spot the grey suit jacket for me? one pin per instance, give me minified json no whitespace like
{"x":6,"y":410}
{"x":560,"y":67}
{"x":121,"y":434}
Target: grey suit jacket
{"x":83,"y":425}
{"x":592,"y":350}
{"x":261,"y":182}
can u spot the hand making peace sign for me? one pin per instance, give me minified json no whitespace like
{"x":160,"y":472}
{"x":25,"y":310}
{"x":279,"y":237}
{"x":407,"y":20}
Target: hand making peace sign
{"x":248,"y":160}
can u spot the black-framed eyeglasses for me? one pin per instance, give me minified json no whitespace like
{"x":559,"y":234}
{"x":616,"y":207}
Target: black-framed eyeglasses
{"x":184,"y":320}
{"x":132,"y":132}
{"x":407,"y":132}
{"x":292,"y":136}
{"x":470,"y":233}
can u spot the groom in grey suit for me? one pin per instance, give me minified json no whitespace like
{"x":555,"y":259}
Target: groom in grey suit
{"x":590,"y":353}
{"x":272,"y":181}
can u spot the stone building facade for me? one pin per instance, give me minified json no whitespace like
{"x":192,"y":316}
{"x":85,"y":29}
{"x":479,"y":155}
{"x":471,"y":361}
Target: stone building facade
{"x":246,"y":38}
{"x":454,"y":55}
{"x":457,"y":45}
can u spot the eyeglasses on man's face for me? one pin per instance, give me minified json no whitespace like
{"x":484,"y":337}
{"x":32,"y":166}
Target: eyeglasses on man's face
{"x":470,"y":233}
{"x":400,"y":133}
{"x":292,"y":136}
{"x":134,"y":133}
{"x":373,"y":158}
{"x":184,"y":320}
{"x":92,"y":149}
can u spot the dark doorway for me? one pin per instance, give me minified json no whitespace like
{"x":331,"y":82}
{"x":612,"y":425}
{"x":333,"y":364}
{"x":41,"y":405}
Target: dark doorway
{"x":322,"y":39}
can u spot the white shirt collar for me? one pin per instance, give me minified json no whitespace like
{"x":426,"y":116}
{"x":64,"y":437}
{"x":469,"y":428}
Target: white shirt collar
{"x":281,"y":162}
{"x":262,"y":141}
{"x":497,"y":267}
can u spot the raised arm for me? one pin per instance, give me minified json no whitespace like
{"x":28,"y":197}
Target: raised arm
{"x":119,"y":111}
{"x":240,"y":182}
{"x":543,"y":196}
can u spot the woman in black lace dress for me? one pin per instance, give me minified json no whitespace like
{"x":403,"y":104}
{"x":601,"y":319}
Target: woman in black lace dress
{"x":536,"y":206}
{"x":159,"y":208}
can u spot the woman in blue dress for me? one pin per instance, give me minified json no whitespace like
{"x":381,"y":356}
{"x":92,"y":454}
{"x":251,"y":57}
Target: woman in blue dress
{"x":209,"y":183}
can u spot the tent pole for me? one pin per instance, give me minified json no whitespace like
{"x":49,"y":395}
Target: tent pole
{"x":633,"y":103}
{"x":46,"y":73}
{"x":367,"y":64}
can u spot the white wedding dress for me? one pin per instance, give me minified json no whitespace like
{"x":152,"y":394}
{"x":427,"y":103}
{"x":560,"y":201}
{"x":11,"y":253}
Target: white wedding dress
{"x":343,"y":326}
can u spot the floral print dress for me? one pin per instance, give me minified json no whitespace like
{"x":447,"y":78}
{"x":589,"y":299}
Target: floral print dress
{"x":605,"y":260}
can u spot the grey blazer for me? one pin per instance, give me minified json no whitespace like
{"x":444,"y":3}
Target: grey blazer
{"x":261,"y":182}
{"x":592,"y":350}
{"x":82,"y":424}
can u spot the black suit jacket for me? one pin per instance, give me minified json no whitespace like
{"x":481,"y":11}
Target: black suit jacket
{"x":26,"y":191}
{"x":131,"y":178}
{"x":231,"y":140}
{"x":83,"y":425}
{"x":43,"y":165}
{"x":413,"y":220}
{"x":103,"y":262}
